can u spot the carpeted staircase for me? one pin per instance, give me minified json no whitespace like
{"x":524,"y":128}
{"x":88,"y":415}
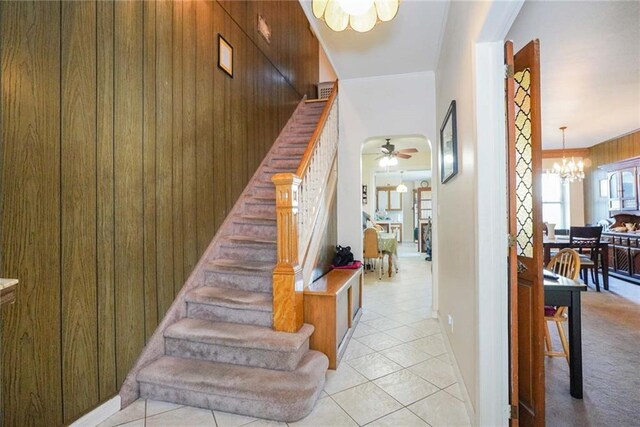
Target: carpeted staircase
{"x":224,"y":355}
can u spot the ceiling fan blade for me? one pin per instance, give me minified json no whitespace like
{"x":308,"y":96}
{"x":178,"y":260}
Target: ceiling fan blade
{"x":408,"y":150}
{"x":403,"y":156}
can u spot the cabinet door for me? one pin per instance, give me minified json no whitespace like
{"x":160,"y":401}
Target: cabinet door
{"x":383,"y":200}
{"x":614,"y":191}
{"x":395,"y":201}
{"x":634,"y":258}
{"x":628,"y":197}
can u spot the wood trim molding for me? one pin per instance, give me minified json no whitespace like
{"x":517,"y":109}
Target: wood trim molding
{"x":623,"y":164}
{"x":572,"y":152}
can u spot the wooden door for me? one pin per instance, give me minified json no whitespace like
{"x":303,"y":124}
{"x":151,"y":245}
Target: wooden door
{"x":525,"y":227}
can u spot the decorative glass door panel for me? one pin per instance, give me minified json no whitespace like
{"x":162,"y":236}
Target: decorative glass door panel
{"x":523,"y":162}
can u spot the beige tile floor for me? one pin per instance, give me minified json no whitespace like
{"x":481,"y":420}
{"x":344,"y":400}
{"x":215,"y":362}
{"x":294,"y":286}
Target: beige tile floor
{"x":395,"y":371}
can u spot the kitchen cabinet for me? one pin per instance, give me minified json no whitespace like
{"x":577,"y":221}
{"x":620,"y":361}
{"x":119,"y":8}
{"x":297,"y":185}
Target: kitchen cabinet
{"x":388,"y":199}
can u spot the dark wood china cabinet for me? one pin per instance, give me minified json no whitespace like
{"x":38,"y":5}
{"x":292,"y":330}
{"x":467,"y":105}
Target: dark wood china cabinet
{"x":624,"y":245}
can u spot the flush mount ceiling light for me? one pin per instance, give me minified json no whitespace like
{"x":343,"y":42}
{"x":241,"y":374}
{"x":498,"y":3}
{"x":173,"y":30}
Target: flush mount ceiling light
{"x":360,"y":15}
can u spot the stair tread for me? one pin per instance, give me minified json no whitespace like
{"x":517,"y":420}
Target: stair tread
{"x":237,"y":380}
{"x":255,"y":219}
{"x":231,"y":298}
{"x":238,"y":335}
{"x":252,"y":239}
{"x":265,"y":266}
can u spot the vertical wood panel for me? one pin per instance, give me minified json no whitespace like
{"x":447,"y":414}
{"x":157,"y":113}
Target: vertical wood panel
{"x":220,"y":124}
{"x":189,"y":139}
{"x":103,"y":225}
{"x":614,"y":150}
{"x":149,"y":172}
{"x":104,"y":206}
{"x":129,"y":255}
{"x":30,"y":37}
{"x":164,"y":147}
{"x":205,"y":66}
{"x":78,"y":208}
{"x":178,"y":231}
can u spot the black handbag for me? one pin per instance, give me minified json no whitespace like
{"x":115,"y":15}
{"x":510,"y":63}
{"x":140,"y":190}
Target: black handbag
{"x":343,"y":256}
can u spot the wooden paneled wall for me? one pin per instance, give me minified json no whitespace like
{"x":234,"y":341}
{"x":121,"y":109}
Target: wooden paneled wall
{"x":614,"y":150}
{"x":123,"y":148}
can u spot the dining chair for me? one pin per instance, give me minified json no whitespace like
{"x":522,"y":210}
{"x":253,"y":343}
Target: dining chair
{"x":372,"y":250}
{"x":586,"y":240}
{"x":565,"y":263}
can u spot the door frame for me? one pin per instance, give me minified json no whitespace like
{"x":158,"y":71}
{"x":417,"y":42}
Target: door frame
{"x":492,"y":407}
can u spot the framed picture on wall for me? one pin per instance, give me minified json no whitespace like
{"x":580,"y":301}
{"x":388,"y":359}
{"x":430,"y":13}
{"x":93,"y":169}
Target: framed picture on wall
{"x":225,"y":55}
{"x":449,"y":145}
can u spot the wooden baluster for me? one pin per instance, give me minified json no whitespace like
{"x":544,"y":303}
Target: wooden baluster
{"x":288,"y":310}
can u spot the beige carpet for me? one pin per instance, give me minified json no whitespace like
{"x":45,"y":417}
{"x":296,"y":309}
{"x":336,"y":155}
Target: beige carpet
{"x":611,"y":363}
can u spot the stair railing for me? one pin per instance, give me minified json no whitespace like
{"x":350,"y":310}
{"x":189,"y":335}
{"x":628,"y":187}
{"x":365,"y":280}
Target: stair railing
{"x":299,"y":201}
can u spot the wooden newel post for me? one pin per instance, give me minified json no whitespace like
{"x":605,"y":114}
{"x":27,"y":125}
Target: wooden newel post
{"x":288,"y":310}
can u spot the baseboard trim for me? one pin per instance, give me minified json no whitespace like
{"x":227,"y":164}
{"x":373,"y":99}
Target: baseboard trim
{"x":99,"y":414}
{"x":463,"y":388}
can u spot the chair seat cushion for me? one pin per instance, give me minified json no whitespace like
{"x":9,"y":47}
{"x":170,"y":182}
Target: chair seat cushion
{"x":585,"y":261}
{"x":549,"y":310}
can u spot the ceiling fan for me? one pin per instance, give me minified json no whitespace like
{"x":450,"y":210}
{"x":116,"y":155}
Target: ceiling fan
{"x":390,"y":156}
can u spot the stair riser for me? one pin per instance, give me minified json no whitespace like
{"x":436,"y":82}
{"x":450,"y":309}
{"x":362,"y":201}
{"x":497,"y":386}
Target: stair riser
{"x":265,"y":192}
{"x":295,"y":152}
{"x":288,"y":411}
{"x":262,"y":209}
{"x":231,"y":315}
{"x":268,"y":231}
{"x":243,"y":282}
{"x":259,"y":358}
{"x":245,"y":251}
{"x":285,"y":163}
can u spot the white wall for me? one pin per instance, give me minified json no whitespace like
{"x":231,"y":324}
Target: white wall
{"x":471,"y":246}
{"x":391,"y":105}
{"x":326,"y":71}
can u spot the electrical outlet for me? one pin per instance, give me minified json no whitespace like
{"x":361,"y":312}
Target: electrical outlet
{"x":450,"y":320}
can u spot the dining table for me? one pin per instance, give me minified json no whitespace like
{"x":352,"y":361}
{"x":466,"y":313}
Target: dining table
{"x":388,"y":244}
{"x":565,"y":292}
{"x":562,"y":242}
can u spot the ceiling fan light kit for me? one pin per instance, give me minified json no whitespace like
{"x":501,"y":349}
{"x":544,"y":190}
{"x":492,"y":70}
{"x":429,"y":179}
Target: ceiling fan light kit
{"x":359,"y":15}
{"x":390,"y":156}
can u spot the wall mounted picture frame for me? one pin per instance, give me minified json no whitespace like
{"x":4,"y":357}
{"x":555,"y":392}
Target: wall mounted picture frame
{"x":449,"y":145}
{"x":225,"y":55}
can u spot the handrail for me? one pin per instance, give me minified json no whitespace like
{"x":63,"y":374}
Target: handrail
{"x":299,"y":197}
{"x":315,"y":137}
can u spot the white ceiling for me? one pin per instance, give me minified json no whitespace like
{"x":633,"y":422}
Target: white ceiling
{"x":590,"y":67}
{"x":409,"y":43}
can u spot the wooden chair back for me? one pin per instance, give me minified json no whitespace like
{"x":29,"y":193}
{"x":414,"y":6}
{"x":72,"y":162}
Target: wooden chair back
{"x":371,"y":243}
{"x":566,"y":263}
{"x":585,"y":237}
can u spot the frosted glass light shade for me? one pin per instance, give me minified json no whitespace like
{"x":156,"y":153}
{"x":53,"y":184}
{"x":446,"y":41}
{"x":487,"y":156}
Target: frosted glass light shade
{"x":401,"y":188}
{"x":355,"y":7}
{"x":359,"y":15}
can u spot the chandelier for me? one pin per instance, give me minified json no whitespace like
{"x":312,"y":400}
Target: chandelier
{"x":570,"y":170}
{"x":360,"y":15}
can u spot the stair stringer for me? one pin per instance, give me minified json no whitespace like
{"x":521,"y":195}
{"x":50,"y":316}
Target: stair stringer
{"x":155,"y":347}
